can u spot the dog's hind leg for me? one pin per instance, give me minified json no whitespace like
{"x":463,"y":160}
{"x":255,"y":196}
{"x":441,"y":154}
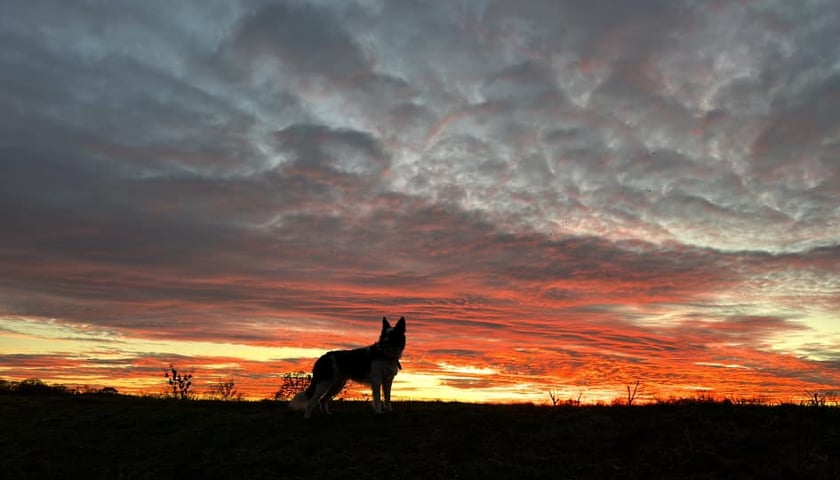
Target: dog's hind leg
{"x":333,"y":391}
{"x":320,"y":390}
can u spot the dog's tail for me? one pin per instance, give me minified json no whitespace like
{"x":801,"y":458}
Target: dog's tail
{"x":301,"y":399}
{"x":324,"y":368}
{"x":299,"y":402}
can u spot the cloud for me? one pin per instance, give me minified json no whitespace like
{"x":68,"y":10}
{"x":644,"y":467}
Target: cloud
{"x":306,"y":38}
{"x":577,"y":190}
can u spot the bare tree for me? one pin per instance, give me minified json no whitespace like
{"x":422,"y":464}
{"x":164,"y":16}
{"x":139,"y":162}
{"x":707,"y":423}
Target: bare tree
{"x":570,"y":402}
{"x":815,"y":399}
{"x":225,"y":391}
{"x":552,"y":393}
{"x":179,"y":382}
{"x":631,"y":394}
{"x":292,"y":384}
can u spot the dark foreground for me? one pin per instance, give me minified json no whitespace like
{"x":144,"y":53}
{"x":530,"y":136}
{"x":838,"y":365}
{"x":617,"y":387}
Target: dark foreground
{"x":126,"y":437}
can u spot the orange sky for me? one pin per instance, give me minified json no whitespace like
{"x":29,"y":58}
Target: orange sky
{"x":557,"y":195}
{"x":668,"y":326}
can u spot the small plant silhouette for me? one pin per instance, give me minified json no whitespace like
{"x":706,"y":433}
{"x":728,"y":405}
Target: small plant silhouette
{"x":225,"y":391}
{"x":631,"y":394}
{"x":817,"y":399}
{"x":569,"y":402}
{"x":552,"y":393}
{"x":180,"y":383}
{"x":292,"y":384}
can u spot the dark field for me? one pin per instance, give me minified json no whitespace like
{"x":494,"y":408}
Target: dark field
{"x":128,"y":437}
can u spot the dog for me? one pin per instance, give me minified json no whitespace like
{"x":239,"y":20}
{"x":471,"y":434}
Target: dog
{"x":375,"y":365}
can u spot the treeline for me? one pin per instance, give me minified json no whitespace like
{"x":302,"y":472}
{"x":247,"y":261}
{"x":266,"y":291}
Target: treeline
{"x":34,"y":386}
{"x":178,"y":386}
{"x":293,"y":382}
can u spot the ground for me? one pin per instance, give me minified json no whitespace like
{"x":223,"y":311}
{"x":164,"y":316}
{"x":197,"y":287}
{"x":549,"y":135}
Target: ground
{"x":129,"y":437}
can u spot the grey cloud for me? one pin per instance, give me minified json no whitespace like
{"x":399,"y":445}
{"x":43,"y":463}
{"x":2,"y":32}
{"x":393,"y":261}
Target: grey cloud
{"x":224,"y":157}
{"x":307,"y":38}
{"x":346,"y":151}
{"x":526,"y":83}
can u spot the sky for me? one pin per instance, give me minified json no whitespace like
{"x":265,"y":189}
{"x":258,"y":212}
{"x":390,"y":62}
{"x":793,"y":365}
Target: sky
{"x":565,"y":196}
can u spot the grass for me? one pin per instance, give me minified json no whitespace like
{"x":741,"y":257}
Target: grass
{"x":130,"y":437}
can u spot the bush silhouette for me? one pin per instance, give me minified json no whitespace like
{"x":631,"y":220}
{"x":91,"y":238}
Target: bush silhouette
{"x":35,"y":386}
{"x":292,"y":384}
{"x":108,"y":391}
{"x":180,"y":383}
{"x":225,"y":391}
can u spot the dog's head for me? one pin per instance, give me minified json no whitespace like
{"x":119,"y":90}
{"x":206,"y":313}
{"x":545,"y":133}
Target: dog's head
{"x":392,"y":339}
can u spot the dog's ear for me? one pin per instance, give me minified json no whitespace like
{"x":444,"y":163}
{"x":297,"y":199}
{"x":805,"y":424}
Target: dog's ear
{"x":401,"y":324}
{"x":385,"y":323}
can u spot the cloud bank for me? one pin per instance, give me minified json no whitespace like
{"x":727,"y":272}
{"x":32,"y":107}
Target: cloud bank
{"x":554,"y":193}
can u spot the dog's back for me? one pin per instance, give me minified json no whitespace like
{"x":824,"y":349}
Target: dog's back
{"x":354,"y":365}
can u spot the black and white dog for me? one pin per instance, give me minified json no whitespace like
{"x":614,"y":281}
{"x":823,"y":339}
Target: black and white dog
{"x":375,"y":365}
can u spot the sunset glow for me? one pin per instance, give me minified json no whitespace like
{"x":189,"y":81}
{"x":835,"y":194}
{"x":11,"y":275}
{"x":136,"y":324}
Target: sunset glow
{"x":557,"y":195}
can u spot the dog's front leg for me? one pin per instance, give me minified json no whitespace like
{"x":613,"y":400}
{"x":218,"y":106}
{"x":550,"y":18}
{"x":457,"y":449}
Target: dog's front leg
{"x":386,"y":390}
{"x":375,"y":384}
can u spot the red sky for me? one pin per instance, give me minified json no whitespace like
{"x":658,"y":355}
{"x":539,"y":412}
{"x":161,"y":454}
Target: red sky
{"x":562,"y":195}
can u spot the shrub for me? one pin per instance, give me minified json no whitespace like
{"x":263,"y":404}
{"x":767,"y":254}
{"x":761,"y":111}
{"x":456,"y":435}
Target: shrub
{"x":569,"y":402}
{"x":225,"y":391}
{"x":6,"y":386}
{"x":180,"y":383}
{"x":292,"y":384}
{"x":35,"y":386}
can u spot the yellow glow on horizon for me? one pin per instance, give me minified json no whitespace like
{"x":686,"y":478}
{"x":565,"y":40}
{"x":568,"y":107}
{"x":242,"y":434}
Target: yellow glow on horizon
{"x":418,"y":386}
{"x":25,"y":336}
{"x":820,"y":328}
{"x":467,"y":369}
